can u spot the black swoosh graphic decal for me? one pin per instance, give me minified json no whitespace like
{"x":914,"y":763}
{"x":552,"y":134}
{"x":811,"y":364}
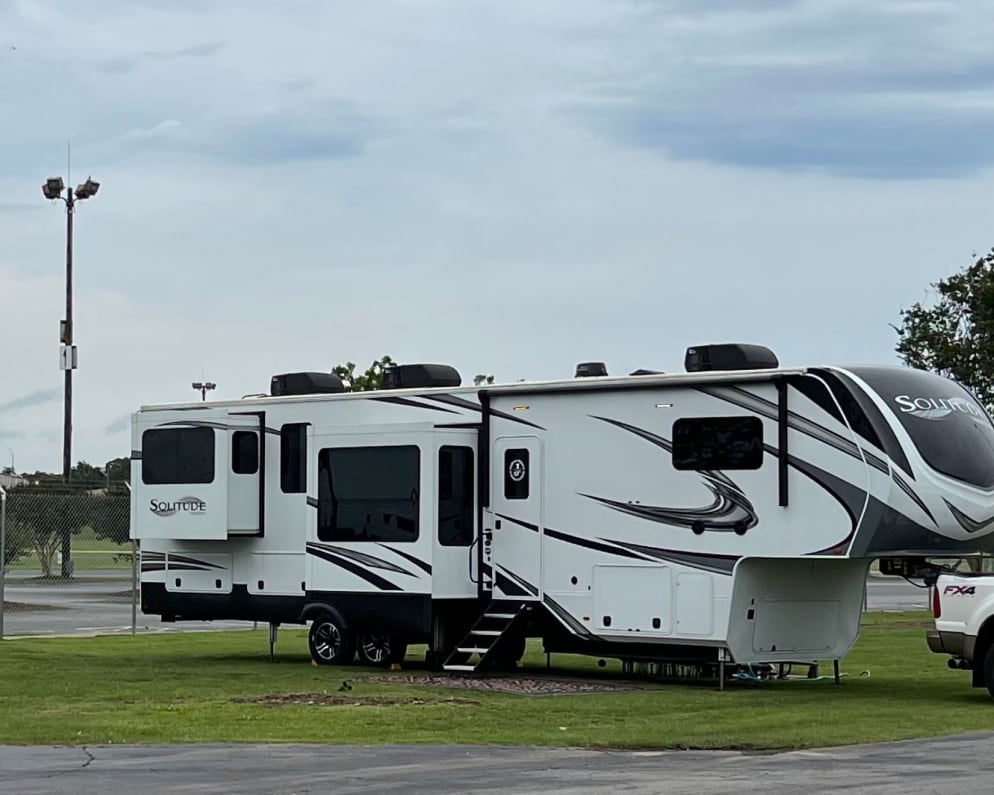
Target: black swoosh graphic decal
{"x":968,"y":523}
{"x":571,"y":623}
{"x":520,"y":581}
{"x":402,"y":401}
{"x":454,"y":400}
{"x":419,"y":563}
{"x":730,"y":508}
{"x":374,"y":579}
{"x":717,"y":564}
{"x":588,"y":543}
{"x":184,"y":559}
{"x":747,"y":400}
{"x":509,"y":586}
{"x":362,"y":557}
{"x":906,"y":488}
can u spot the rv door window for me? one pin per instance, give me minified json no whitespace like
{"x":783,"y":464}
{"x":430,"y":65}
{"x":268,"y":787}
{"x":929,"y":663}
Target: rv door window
{"x":701,"y":443}
{"x":456,"y":506}
{"x":516,"y":474}
{"x":369,"y":493}
{"x":177,"y":455}
{"x":244,"y":452}
{"x":293,"y":458}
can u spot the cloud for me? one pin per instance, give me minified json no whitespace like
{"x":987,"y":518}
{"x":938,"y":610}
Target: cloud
{"x":328,"y":130}
{"x":885,"y":90}
{"x":119,"y":425}
{"x":125,"y":64}
{"x":36,"y":398}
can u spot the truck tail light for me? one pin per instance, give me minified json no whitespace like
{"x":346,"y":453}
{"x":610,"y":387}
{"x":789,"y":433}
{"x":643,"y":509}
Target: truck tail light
{"x":936,"y":605}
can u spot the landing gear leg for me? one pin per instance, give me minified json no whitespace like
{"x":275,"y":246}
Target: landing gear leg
{"x":272,"y":639}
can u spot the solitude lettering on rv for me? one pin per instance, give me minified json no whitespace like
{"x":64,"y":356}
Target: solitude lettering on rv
{"x":910,"y":405}
{"x":185,"y":505}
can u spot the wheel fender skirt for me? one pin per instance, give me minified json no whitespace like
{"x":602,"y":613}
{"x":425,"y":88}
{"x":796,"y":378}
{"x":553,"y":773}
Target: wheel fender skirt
{"x":314,"y":609}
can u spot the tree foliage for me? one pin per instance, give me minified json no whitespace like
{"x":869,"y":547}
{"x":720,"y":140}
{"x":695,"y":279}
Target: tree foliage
{"x":955,"y":336}
{"x":372,"y":378}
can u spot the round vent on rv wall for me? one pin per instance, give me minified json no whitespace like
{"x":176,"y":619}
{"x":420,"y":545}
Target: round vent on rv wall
{"x":420,"y":376}
{"x":729,"y":356}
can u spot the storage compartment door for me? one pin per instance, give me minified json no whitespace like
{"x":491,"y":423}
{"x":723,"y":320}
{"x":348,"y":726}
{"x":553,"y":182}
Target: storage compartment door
{"x":180,"y":476}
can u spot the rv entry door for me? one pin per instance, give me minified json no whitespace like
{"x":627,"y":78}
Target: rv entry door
{"x":516,"y":501}
{"x":246,"y":472}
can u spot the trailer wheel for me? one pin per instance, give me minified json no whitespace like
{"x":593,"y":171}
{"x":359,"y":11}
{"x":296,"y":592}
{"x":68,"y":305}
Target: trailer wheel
{"x":330,"y":643}
{"x":379,"y":649}
{"x":989,"y":669}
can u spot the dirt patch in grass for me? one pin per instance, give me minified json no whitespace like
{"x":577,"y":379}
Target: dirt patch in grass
{"x":518,"y":685}
{"x":326,"y":700}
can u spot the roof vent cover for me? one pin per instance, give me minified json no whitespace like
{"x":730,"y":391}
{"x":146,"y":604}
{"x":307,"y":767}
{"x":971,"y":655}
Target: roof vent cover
{"x":729,"y":356}
{"x":305,"y":384}
{"x":590,"y":370}
{"x":420,"y":376}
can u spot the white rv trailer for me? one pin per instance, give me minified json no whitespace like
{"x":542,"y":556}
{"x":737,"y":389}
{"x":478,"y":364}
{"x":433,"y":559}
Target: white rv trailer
{"x":728,"y":513}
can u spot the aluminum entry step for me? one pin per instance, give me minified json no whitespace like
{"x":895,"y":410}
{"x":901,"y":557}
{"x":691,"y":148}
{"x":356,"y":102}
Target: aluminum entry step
{"x":505,"y":616}
{"x":459,"y":667}
{"x":489,"y":632}
{"x":472,"y":650}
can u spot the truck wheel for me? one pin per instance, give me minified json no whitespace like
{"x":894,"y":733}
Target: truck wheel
{"x":330,"y":643}
{"x":989,"y":669}
{"x":380,"y":650}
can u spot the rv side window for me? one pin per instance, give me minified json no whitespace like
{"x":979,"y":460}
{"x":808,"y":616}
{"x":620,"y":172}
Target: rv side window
{"x":369,"y":493}
{"x":244,"y":452}
{"x":455,"y":496}
{"x":516,"y":474}
{"x":178,"y":455}
{"x":718,"y":443}
{"x":293,"y":458}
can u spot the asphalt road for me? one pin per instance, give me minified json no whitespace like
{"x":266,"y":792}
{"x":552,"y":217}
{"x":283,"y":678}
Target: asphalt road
{"x":103,"y":607}
{"x":950,"y":765}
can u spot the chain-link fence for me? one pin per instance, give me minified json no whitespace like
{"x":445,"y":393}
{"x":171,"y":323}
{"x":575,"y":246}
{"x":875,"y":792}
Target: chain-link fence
{"x":68,"y":564}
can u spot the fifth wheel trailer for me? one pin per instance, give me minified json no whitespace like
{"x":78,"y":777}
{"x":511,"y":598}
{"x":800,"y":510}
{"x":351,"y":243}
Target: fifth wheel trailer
{"x":728,"y":513}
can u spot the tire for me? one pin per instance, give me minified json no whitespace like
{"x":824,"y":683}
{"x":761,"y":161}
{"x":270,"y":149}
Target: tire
{"x":379,"y":650}
{"x":989,"y":669}
{"x":329,"y":642}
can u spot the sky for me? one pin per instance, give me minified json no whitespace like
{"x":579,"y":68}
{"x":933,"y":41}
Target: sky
{"x":510,"y":188}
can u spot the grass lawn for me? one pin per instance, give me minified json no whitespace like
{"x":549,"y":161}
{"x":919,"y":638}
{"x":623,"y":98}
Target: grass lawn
{"x":187,"y":688}
{"x":89,"y":554}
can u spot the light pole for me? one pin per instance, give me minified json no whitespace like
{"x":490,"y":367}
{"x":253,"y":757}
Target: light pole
{"x":52,"y":189}
{"x":203,"y":386}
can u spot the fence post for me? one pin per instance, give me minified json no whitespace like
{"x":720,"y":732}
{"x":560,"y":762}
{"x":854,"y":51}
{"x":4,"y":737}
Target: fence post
{"x":3,"y":551}
{"x":134,"y":575}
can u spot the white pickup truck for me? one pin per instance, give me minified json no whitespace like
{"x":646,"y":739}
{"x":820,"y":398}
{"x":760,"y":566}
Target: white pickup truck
{"x":963,"y":611}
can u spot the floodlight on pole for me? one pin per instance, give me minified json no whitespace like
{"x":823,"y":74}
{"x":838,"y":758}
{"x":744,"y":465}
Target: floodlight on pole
{"x":203,"y":386}
{"x":53,"y":189}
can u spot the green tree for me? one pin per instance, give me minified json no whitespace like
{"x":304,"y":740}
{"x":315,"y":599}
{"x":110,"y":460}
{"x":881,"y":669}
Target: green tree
{"x":371,"y":379}
{"x":955,"y":336}
{"x":118,"y":470}
{"x":85,"y":475}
